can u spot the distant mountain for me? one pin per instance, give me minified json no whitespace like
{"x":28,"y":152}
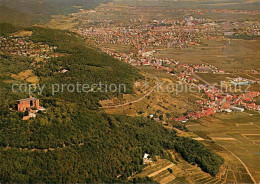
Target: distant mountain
{"x":28,"y":12}
{"x":10,"y":15}
{"x":198,"y":4}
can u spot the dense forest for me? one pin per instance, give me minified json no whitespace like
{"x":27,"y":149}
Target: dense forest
{"x":85,"y":65}
{"x":74,"y":140}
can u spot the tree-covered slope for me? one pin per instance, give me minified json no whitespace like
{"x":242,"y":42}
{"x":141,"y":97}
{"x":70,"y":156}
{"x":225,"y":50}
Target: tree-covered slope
{"x":75,"y":141}
{"x":85,"y":66}
{"x":69,"y":144}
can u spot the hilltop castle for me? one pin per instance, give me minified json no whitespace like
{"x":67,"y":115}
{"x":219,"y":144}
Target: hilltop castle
{"x":28,"y":104}
{"x":31,"y":104}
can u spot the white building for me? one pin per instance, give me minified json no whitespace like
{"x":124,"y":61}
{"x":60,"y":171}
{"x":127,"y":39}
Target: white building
{"x":239,"y":109}
{"x":146,"y":159}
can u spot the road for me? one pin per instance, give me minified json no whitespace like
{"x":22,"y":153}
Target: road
{"x":198,"y":77}
{"x":252,"y":178}
{"x":134,"y":101}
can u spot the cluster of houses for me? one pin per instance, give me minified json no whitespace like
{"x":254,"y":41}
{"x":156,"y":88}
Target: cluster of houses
{"x":218,"y":101}
{"x":202,"y":68}
{"x":247,"y":100}
{"x":132,"y":29}
{"x":142,"y":60}
{"x":145,"y":35}
{"x":195,"y":115}
{"x":246,"y":28}
{"x":229,"y":11}
{"x":23,"y":46}
{"x":185,"y":75}
{"x":221,"y":102}
{"x":166,"y":33}
{"x":30,"y":105}
{"x":153,"y":35}
{"x":217,"y":11}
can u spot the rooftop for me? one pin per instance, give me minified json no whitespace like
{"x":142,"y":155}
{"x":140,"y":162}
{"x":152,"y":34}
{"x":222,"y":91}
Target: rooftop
{"x":27,"y":99}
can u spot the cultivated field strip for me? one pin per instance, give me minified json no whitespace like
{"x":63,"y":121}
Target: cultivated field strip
{"x":166,"y":172}
{"x":181,"y":172}
{"x":161,"y":170}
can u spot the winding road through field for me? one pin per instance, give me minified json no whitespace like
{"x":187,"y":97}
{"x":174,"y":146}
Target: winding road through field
{"x":134,"y":101}
{"x":252,"y":178}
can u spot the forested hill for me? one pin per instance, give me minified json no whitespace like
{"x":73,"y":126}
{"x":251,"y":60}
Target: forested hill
{"x":85,"y":66}
{"x":75,"y":141}
{"x":28,"y":12}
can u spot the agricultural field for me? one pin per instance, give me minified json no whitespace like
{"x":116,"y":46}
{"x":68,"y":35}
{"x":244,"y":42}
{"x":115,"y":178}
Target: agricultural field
{"x":215,"y":78}
{"x":242,"y":4}
{"x":178,"y":171}
{"x":148,"y":99}
{"x":61,"y":22}
{"x":226,"y":86}
{"x":233,"y":57}
{"x":26,"y":75}
{"x":235,"y":137}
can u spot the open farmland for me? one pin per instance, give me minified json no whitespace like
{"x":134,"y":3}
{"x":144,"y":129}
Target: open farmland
{"x":178,"y":171}
{"x":236,"y":56}
{"x":238,"y":136}
{"x":221,"y":81}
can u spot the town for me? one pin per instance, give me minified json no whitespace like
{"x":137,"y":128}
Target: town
{"x":219,"y":101}
{"x":145,"y":36}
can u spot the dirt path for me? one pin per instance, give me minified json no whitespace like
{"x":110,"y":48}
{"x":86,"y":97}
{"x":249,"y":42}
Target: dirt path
{"x":161,"y":170}
{"x":198,"y":77}
{"x":43,"y":149}
{"x":134,"y":101}
{"x":129,"y":103}
{"x":255,"y":78}
{"x":252,"y":178}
